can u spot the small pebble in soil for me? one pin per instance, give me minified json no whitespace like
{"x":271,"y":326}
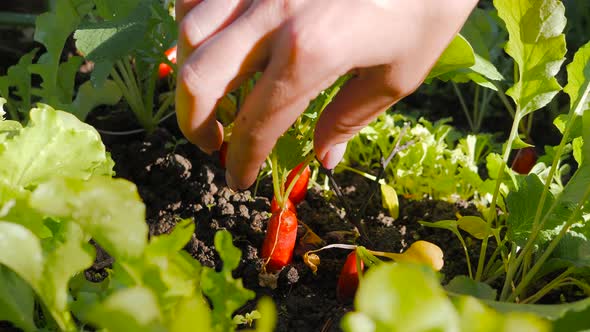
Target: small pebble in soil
{"x":288,"y":276}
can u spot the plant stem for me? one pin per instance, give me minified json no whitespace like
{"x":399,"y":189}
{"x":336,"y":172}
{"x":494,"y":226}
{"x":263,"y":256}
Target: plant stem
{"x":488,"y":94}
{"x":463,"y":104}
{"x":476,"y":109}
{"x":359,"y":172}
{"x":149,"y":101}
{"x":506,"y":102}
{"x":469,"y":268}
{"x":492,"y":213}
{"x":539,"y":263}
{"x":555,"y":283}
{"x":276,"y":183}
{"x":20,"y":19}
{"x":351,"y":215}
{"x":537,"y":222}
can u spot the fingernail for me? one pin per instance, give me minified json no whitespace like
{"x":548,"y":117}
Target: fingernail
{"x":229,"y":181}
{"x":333,"y":156}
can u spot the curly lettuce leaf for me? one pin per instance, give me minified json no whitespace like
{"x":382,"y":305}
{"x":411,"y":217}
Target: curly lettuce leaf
{"x":133,"y":309}
{"x":217,"y":285}
{"x":54,"y":143}
{"x":384,"y":302}
{"x":110,"y":210}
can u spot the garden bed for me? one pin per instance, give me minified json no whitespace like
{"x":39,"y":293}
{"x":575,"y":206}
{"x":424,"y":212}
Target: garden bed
{"x":182,"y":182}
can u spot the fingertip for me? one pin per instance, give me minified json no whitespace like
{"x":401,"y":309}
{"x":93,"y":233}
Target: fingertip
{"x":206,"y":133}
{"x":333,"y":155}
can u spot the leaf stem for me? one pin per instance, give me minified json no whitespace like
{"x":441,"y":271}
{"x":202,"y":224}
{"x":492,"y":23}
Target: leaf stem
{"x":11,"y":19}
{"x":463,"y":105}
{"x":539,"y":263}
{"x":555,"y":283}
{"x":537,"y":222}
{"x":492,"y":213}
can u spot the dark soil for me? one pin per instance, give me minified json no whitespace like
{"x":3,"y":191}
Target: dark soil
{"x":179,"y":181}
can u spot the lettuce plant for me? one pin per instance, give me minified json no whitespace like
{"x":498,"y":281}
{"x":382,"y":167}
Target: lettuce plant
{"x":384,"y":302}
{"x":57,"y":193}
{"x":434,"y":164}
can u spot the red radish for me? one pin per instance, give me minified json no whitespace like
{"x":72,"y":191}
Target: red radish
{"x":277,"y":249}
{"x":299,"y":190}
{"x":223,"y":154}
{"x":348,"y":280}
{"x":525,"y":160}
{"x":274,"y":206}
{"x":164,"y":69}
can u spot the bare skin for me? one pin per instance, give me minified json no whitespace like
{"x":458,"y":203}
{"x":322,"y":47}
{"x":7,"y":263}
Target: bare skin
{"x":302,"y":46}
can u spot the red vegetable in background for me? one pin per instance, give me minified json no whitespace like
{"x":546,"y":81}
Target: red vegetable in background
{"x":300,"y":187}
{"x":164,"y":69}
{"x":348,"y":280}
{"x":274,"y":206}
{"x":279,"y":242}
{"x":223,"y":154}
{"x":525,"y":160}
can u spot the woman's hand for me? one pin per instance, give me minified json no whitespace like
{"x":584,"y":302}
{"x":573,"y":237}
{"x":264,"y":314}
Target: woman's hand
{"x":302,"y":47}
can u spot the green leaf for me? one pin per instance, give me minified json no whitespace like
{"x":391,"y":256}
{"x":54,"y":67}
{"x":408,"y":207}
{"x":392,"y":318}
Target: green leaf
{"x":111,"y":40}
{"x":89,"y":97}
{"x":522,"y":206}
{"x":217,"y":285}
{"x":268,"y":315}
{"x":577,"y":145}
{"x":482,"y":72}
{"x":2,"y":112}
{"x":173,"y":273}
{"x":66,"y":78}
{"x":52,"y":30}
{"x":16,"y":300}
{"x":537,"y":45}
{"x":110,"y":210}
{"x":384,"y":302}
{"x":20,"y":250}
{"x":113,"y":9}
{"x":67,"y":254}
{"x":476,"y":317}
{"x":574,"y":248}
{"x":578,"y":85}
{"x":389,"y":200}
{"x":484,"y":33}
{"x":189,"y":313}
{"x":473,"y":225}
{"x":467,"y":286}
{"x":19,"y":77}
{"x":561,"y":315}
{"x":561,"y":121}
{"x":39,"y":151}
{"x":130,"y":309}
{"x":290,"y":151}
{"x":457,"y":55}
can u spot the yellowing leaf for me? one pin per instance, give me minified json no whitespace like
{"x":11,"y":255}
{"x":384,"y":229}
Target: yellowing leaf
{"x":390,"y":200}
{"x":312,"y":261}
{"x":473,"y":225}
{"x":421,"y":252}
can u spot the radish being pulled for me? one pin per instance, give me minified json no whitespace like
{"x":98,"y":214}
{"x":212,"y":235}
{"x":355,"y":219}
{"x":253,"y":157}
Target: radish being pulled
{"x":281,"y":235}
